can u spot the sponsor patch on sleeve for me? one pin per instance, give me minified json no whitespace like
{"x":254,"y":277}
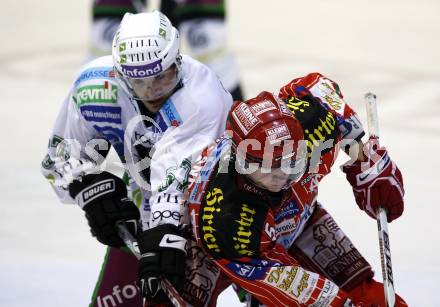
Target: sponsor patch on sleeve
{"x":95,"y":73}
{"x":105,"y":92}
{"x":96,"y":113}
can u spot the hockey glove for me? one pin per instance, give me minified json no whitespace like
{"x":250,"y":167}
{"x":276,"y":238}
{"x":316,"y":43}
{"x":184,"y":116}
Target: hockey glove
{"x":103,"y":197}
{"x":376,"y":182}
{"x":162,"y":256}
{"x":369,"y":293}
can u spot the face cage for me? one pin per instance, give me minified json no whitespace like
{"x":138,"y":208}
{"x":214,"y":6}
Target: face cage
{"x":126,"y":86}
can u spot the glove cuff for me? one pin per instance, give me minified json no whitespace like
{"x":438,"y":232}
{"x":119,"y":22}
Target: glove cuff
{"x":363,"y":173}
{"x":165,"y":236}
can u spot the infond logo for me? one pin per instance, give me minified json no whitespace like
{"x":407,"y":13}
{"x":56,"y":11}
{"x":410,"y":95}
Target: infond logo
{"x":143,"y":70}
{"x":118,"y":296}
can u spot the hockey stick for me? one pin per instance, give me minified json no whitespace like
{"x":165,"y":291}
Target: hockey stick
{"x":382,"y":224}
{"x":165,"y":284}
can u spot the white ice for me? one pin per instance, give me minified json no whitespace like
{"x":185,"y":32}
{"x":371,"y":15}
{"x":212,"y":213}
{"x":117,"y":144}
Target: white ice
{"x":48,"y":258}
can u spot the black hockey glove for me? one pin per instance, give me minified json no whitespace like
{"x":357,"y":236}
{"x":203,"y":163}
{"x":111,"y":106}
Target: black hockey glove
{"x":103,"y":197}
{"x":162,"y":255}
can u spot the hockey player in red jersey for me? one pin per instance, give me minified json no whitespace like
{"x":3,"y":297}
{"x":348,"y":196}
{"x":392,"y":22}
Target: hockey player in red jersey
{"x":253,"y":201}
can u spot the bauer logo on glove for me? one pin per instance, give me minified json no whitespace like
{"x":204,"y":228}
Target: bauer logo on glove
{"x":97,"y":190}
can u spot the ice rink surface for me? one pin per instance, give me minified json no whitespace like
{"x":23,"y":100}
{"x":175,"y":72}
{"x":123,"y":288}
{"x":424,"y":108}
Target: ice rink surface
{"x":48,"y":258}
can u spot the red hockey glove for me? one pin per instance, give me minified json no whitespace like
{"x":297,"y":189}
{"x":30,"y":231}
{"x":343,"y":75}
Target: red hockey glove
{"x":369,"y":293}
{"x":376,"y":182}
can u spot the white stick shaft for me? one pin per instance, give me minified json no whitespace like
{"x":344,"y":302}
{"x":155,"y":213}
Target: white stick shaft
{"x":385,"y":255}
{"x":372,"y":117}
{"x":382,"y":224}
{"x":128,"y":239}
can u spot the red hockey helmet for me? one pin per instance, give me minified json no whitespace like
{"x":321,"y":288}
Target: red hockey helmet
{"x":266,"y":132}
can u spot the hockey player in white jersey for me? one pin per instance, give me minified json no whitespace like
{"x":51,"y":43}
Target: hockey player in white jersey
{"x":158,"y":109}
{"x":202,"y":24}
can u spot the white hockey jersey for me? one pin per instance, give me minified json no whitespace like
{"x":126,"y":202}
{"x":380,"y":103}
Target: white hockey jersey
{"x":157,"y":152}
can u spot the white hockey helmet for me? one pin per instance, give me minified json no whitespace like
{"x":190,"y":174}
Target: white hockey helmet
{"x":146,"y":55}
